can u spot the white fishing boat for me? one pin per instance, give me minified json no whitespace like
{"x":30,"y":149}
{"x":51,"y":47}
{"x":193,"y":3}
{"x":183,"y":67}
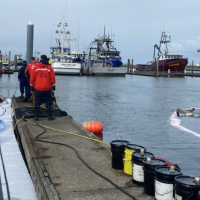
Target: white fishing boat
{"x":104,"y":59}
{"x":64,"y":59}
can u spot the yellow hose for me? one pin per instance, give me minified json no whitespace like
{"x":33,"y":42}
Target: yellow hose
{"x":54,"y":129}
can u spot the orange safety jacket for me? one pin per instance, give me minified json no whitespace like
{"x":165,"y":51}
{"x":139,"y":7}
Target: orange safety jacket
{"x":29,"y":68}
{"x":42,"y":77}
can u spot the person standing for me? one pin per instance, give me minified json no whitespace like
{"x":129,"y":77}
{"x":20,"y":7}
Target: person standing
{"x":43,"y":81}
{"x":24,"y":82}
{"x":30,"y":67}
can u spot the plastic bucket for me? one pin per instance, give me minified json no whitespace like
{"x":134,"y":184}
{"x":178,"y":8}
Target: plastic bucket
{"x":129,"y":150}
{"x":117,"y":149}
{"x":149,"y":174}
{"x":137,"y":160}
{"x":164,"y":182}
{"x":186,"y":188}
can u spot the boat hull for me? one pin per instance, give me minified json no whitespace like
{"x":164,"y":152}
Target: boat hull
{"x":108,"y":71}
{"x":61,"y":68}
{"x":174,"y":65}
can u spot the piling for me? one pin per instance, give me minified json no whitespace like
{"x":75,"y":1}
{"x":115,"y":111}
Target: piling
{"x":15,"y":61}
{"x":131,"y":69}
{"x":192,"y":66}
{"x":0,"y":60}
{"x":29,"y":47}
{"x":128,"y":67}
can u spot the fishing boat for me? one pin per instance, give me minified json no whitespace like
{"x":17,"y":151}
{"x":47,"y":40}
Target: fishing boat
{"x":168,"y":59}
{"x":19,"y":60}
{"x":65,"y":60}
{"x":104,"y":59}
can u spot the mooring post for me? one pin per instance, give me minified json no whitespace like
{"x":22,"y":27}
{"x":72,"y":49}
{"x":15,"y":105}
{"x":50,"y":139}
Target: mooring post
{"x":0,"y":60}
{"x":157,"y":66}
{"x":128,"y":66}
{"x":9,"y":57}
{"x":15,"y":61}
{"x":192,"y":66}
{"x":29,"y":45}
{"x":131,"y":65}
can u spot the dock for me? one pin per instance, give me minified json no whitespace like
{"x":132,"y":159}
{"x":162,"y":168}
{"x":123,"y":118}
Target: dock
{"x":57,"y":172}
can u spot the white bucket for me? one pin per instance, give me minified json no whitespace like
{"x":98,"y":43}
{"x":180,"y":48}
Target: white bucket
{"x":138,"y":173}
{"x":163,"y":191}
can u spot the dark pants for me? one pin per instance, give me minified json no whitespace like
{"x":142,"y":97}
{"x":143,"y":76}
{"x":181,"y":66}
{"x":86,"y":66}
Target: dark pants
{"x":25,"y":85}
{"x":43,"y":96}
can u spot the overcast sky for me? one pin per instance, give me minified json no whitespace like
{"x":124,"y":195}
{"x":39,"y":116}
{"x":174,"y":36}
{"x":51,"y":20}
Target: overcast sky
{"x":137,"y":24}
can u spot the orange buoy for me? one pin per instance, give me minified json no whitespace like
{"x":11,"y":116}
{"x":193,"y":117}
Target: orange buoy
{"x":93,"y":127}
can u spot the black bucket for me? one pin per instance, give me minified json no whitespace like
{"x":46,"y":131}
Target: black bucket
{"x":186,"y":188}
{"x":135,"y":147}
{"x":137,"y":160}
{"x":198,"y":196}
{"x":117,"y":149}
{"x":149,"y":174}
{"x":164,"y":182}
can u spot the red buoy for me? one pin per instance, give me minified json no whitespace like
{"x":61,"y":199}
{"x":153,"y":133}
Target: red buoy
{"x":93,"y":127}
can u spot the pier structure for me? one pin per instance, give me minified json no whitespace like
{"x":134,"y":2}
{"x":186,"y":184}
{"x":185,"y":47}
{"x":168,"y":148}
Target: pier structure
{"x":58,"y":172}
{"x":29,"y":44}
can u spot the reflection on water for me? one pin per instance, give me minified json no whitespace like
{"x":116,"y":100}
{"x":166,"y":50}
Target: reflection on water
{"x":136,"y":107}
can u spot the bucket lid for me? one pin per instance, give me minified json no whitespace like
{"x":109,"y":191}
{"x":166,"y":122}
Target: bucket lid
{"x":188,"y":181}
{"x":145,"y":155}
{"x":119,"y":142}
{"x":135,"y":147}
{"x":153,"y":163}
{"x":166,"y":171}
{"x":137,"y":158}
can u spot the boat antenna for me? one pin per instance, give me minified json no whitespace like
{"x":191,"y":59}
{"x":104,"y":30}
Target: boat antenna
{"x":78,"y":36}
{"x":66,"y":11}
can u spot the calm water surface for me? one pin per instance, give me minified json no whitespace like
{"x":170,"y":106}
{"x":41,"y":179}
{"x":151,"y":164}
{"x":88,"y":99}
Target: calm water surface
{"x":136,"y":107}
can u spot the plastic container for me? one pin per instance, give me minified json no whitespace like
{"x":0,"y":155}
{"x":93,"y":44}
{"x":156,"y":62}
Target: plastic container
{"x":149,"y":174}
{"x":117,"y":149}
{"x":164,"y":182}
{"x":137,"y":160}
{"x":129,"y":150}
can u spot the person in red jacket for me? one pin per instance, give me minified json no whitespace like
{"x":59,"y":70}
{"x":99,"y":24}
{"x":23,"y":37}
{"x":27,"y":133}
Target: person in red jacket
{"x":42,"y":82}
{"x":30,"y":67}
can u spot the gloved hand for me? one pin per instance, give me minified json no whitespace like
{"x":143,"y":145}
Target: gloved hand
{"x":32,"y":88}
{"x":53,"y":87}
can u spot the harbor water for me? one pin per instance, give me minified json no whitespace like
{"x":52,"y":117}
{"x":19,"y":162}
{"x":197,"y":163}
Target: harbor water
{"x":136,"y":108}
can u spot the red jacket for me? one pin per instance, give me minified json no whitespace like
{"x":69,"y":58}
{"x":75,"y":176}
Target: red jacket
{"x":42,"y":77}
{"x":29,"y":68}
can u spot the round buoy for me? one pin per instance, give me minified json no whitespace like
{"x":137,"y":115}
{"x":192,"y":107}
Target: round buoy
{"x":117,"y":149}
{"x":2,"y":71}
{"x":187,"y":187}
{"x":137,"y":159}
{"x":93,"y":127}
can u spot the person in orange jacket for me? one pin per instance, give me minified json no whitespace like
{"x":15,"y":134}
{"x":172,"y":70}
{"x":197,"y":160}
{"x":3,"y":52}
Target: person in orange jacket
{"x":30,"y":67}
{"x":42,"y":82}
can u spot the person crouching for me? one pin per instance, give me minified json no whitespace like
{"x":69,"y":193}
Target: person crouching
{"x":42,"y":81}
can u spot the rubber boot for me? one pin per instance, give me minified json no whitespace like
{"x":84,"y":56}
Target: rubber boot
{"x":37,"y":109}
{"x":50,"y":117}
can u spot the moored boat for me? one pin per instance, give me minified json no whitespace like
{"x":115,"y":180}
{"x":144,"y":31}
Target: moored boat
{"x":168,"y":60}
{"x":64,"y":59}
{"x":104,"y":59}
